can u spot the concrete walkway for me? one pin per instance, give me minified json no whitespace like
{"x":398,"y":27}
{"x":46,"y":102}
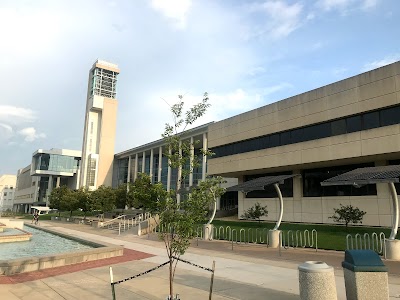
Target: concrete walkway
{"x":247,"y":272}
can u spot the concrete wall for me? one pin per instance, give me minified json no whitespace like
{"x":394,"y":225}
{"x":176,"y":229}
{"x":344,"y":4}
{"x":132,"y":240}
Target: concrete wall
{"x":107,"y":141}
{"x":368,"y":91}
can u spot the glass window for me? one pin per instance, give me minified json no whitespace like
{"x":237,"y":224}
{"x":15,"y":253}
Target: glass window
{"x":353,"y":124}
{"x":338,"y":127}
{"x":297,"y":135}
{"x":371,"y":120}
{"x":390,"y":116}
{"x":274,"y":140}
{"x":312,"y":182}
{"x":318,"y":131}
{"x":285,"y":138}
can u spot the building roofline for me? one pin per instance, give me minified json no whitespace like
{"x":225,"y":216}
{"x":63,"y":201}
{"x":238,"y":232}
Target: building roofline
{"x":161,"y":141}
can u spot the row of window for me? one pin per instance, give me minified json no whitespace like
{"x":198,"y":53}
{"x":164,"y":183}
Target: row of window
{"x":312,"y":179}
{"x":364,"y":121}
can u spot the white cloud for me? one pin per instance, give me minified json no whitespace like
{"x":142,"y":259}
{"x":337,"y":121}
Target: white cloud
{"x":15,"y":115}
{"x":344,"y":6}
{"x":380,"y":63}
{"x":30,"y":134}
{"x":281,"y":19}
{"x":175,"y":10}
{"x":6,"y":132}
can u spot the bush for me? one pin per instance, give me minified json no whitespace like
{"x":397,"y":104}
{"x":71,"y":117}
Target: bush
{"x":348,"y":214}
{"x":255,"y":212}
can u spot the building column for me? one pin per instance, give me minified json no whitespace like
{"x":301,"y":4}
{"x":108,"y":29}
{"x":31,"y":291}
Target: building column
{"x":179,"y":176}
{"x":143,"y":161}
{"x":191,"y":161}
{"x":151,"y":165}
{"x":49,"y":188}
{"x":159,"y":163}
{"x":204,"y":166}
{"x":169,"y":173}
{"x":128,"y":179}
{"x":136,"y":166}
{"x":35,"y":194}
{"x":58,"y":181}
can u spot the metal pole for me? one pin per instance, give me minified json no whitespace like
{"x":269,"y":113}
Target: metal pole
{"x":112,"y":284}
{"x":212,"y":280}
{"x":119,"y":228}
{"x":278,"y":223}
{"x":395,"y":201}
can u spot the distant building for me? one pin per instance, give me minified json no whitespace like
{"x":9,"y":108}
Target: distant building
{"x":7,"y":188}
{"x":151,"y":160}
{"x":100,"y":126}
{"x":49,"y":169}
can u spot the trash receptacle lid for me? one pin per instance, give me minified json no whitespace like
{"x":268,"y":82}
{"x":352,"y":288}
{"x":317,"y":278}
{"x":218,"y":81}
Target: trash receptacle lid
{"x":315,"y":267}
{"x":363,"y":261}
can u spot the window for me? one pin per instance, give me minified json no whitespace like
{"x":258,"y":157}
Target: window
{"x":390,"y":116}
{"x":371,"y":120}
{"x":312,"y":182}
{"x":353,"y":124}
{"x":285,"y":138}
{"x":338,"y":127}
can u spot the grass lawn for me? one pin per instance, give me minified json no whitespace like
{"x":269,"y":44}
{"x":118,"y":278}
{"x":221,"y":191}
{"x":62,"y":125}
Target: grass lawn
{"x":330,"y":237}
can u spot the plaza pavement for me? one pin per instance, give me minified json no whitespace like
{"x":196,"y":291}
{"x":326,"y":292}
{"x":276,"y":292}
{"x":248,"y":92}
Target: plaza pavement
{"x":247,"y":272}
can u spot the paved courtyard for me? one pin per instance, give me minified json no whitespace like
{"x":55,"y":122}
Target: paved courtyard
{"x":246,"y":272}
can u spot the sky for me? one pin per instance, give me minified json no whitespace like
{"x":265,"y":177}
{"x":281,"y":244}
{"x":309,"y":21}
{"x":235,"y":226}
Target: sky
{"x":245,"y":54}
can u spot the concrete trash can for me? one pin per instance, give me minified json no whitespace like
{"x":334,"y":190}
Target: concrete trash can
{"x":365,"y":275}
{"x":317,"y":281}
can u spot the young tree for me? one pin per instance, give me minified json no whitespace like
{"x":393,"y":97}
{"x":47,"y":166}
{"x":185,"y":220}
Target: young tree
{"x":103,"y":198}
{"x":85,"y":201}
{"x":174,"y":215}
{"x":58,"y":198}
{"x":348,"y":214}
{"x":255,"y":212}
{"x":123,"y":196}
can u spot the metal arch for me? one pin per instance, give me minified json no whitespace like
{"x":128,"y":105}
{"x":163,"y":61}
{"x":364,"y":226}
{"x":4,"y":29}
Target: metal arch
{"x":395,"y":201}
{"x":278,"y":191}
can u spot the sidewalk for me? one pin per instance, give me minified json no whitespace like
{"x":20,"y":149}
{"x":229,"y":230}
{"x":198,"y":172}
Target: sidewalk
{"x":247,"y":272}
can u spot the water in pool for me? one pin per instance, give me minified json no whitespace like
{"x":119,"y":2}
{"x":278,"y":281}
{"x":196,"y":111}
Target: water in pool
{"x":41,"y":243}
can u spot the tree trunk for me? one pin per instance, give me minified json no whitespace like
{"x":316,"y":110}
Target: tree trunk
{"x":171,"y":284}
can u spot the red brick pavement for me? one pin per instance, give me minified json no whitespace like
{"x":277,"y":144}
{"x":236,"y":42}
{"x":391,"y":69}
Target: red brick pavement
{"x":128,"y":255}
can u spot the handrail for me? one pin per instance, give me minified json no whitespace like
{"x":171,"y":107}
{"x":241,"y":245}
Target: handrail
{"x":112,"y":220}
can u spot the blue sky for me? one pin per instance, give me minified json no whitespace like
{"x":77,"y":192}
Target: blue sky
{"x":246,"y":54}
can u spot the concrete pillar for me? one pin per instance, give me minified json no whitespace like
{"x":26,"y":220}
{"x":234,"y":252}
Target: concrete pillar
{"x":317,"y":281}
{"x":169,"y":173}
{"x":191,"y":160}
{"x":204,"y":166}
{"x":151,"y":165}
{"x":129,"y":169}
{"x":58,"y":181}
{"x":143,"y":161}
{"x":179,"y":179}
{"x":208,"y":232}
{"x":392,"y":249}
{"x":136,"y":166}
{"x":159,"y":163}
{"x":273,"y":238}
{"x":49,"y":188}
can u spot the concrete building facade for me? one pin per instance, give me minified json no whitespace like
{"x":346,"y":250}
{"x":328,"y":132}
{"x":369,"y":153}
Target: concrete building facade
{"x":100,"y":126}
{"x":150,"y":159}
{"x":317,"y":135}
{"x":7,"y":189}
{"x":49,"y":169}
